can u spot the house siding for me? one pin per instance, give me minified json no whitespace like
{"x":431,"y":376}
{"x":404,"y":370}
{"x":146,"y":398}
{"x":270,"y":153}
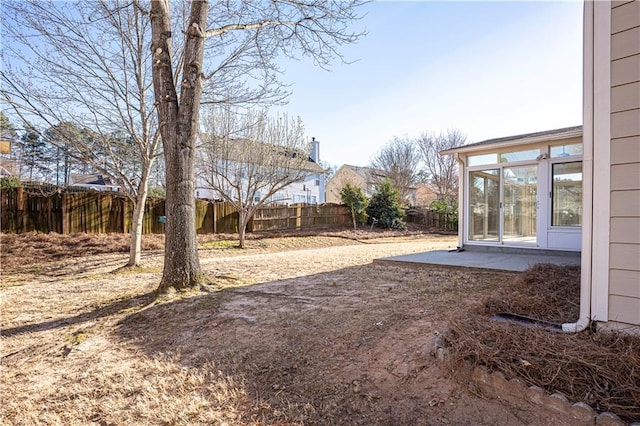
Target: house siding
{"x":624,"y":247}
{"x":343,"y":176}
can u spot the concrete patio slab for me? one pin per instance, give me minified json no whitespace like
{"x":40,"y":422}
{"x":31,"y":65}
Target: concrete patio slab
{"x":496,"y":261}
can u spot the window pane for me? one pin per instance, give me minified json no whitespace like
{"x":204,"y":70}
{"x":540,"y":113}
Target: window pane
{"x":531,"y":154}
{"x":566,"y":150}
{"x":477,"y":160}
{"x":484,"y":205}
{"x":520,"y":204}
{"x":567,"y":194}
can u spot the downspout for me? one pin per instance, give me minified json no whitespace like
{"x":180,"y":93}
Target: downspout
{"x":584,"y":318}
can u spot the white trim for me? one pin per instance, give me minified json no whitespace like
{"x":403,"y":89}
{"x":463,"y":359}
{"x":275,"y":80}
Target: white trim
{"x":601,"y":149}
{"x":462,"y":227}
{"x":500,"y":146}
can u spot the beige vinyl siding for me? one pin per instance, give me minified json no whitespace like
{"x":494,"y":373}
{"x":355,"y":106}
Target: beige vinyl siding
{"x":625,"y":150}
{"x":624,"y":264}
{"x":625,"y":97}
{"x":624,"y":16}
{"x":625,"y":204}
{"x":625,"y":70}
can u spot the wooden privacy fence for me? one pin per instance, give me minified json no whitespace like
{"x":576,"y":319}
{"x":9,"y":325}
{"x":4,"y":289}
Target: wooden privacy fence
{"x":433,"y":219}
{"x":269,"y":218}
{"x":104,"y":212}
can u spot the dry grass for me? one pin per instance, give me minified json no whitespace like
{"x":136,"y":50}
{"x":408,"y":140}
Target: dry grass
{"x":33,"y":248}
{"x":297,"y":330}
{"x":601,"y":369}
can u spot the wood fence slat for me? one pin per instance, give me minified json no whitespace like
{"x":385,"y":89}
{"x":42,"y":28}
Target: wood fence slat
{"x":55,"y":210}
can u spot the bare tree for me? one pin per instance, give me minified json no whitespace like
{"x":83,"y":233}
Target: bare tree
{"x":441,"y":170}
{"x":248,"y":158}
{"x":235,"y":36}
{"x":400,"y":160}
{"x":83,"y":70}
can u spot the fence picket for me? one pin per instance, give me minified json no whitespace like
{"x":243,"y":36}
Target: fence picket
{"x":24,"y":210}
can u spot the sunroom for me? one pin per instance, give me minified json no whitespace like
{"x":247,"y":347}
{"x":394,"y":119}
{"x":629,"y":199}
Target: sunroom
{"x":522,"y":191}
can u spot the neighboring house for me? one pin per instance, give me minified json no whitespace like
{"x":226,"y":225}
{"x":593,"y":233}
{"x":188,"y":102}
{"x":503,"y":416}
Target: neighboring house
{"x":425,"y":194}
{"x":5,"y":146}
{"x":96,"y":182}
{"x":576,"y":188}
{"x":365,"y":178}
{"x":309,"y":190}
{"x":8,"y":167}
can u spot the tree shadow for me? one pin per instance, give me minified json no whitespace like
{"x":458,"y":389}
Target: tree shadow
{"x":332,"y":345}
{"x":103,"y":311}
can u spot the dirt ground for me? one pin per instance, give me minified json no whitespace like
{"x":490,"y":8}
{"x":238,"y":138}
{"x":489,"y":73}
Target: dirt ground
{"x":294,"y":331}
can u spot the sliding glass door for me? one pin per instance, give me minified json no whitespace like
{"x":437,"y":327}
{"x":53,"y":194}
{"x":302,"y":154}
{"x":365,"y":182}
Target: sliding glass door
{"x":503,"y":204}
{"x":520,"y":204}
{"x":484,"y":205}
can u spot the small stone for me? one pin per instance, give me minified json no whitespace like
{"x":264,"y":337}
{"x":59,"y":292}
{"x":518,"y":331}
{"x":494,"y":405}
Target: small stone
{"x":498,"y":380}
{"x":439,"y":342}
{"x":480,"y":375}
{"x":558,"y":402}
{"x":609,"y":419}
{"x":583,"y":412}
{"x":516,"y":386}
{"x":536,"y":395}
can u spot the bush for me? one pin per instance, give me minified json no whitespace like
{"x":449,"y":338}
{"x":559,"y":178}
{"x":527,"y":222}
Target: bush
{"x":385,"y":207}
{"x":357,"y":202}
{"x":8,"y":182}
{"x":447,"y":206}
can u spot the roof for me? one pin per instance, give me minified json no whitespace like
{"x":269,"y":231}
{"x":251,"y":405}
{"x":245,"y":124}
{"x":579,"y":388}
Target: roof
{"x":80,"y":179}
{"x":369,"y":174}
{"x":310,"y":165}
{"x":547,"y":135}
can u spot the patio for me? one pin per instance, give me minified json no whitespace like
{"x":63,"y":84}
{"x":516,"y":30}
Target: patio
{"x":514,"y":260}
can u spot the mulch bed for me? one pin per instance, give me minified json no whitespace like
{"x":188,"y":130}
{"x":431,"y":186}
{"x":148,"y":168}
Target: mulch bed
{"x":599,"y":368}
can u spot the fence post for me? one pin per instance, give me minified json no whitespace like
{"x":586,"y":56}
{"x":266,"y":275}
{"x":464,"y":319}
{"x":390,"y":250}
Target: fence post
{"x":215,"y":218}
{"x":65,"y":214}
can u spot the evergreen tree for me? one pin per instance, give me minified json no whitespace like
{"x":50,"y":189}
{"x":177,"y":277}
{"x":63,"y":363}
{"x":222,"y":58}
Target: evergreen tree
{"x":385,"y":207}
{"x":357,"y":202}
{"x":34,"y":155}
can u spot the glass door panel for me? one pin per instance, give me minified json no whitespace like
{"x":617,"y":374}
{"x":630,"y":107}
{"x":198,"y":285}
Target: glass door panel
{"x":484,"y":205}
{"x":520,"y":203}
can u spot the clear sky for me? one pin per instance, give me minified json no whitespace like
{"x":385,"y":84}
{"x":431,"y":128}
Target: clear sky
{"x":489,"y":69}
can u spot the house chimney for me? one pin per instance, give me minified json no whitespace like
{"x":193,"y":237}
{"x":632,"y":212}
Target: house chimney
{"x":315,"y":150}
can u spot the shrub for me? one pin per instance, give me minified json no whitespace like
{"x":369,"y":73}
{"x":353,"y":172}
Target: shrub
{"x":357,"y":202}
{"x":8,"y":182}
{"x":447,"y":206}
{"x":385,"y":207}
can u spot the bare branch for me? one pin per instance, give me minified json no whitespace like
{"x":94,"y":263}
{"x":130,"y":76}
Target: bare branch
{"x":399,"y":159}
{"x":442,"y":171}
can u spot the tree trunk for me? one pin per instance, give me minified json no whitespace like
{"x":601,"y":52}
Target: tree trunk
{"x":135,"y":249}
{"x":136,"y":230}
{"x":179,"y":121}
{"x":136,"y":222}
{"x":353,"y":216}
{"x":243,"y":219}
